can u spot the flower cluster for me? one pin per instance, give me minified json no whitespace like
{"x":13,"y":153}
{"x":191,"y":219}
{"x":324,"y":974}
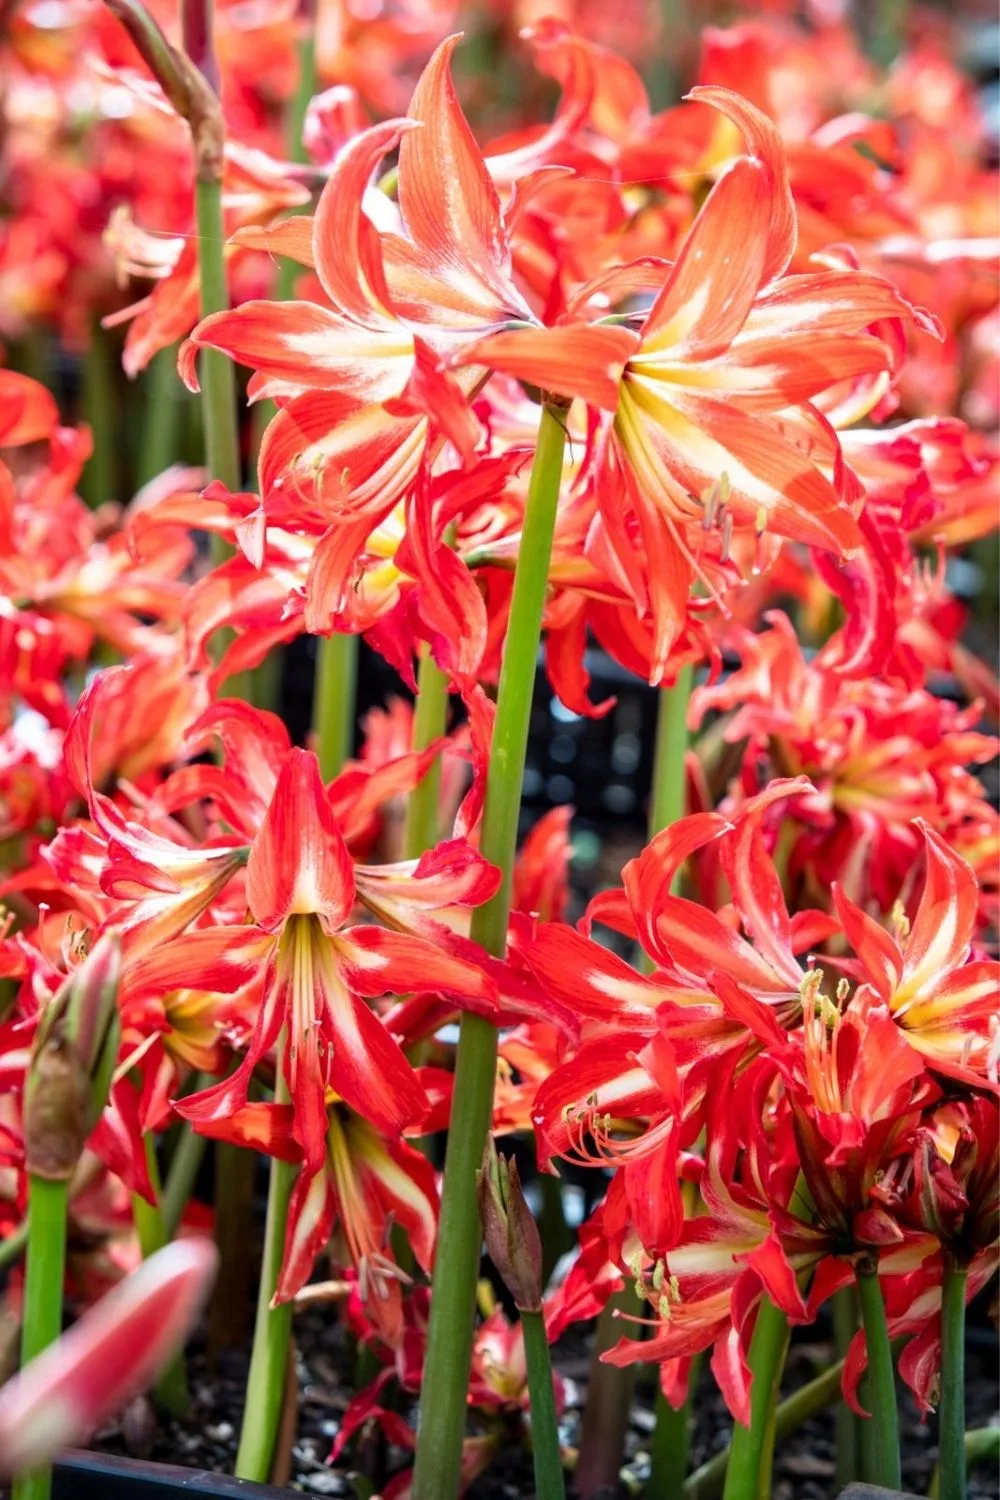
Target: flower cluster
{"x":708,"y":390}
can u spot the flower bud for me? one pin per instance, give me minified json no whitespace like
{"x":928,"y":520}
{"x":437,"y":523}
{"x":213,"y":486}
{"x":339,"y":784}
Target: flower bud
{"x":72,"y":1061}
{"x":510,"y":1232}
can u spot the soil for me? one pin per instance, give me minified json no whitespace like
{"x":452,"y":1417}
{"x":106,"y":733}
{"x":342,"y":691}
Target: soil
{"x":804,"y":1467}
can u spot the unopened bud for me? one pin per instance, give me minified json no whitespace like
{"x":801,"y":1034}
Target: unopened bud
{"x":72,"y":1061}
{"x":510,"y":1232}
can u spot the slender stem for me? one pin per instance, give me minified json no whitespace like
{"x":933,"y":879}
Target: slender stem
{"x":216,"y":370}
{"x":163,"y":396}
{"x":748,"y":1476}
{"x":672,"y":1433}
{"x":12,"y":1248}
{"x":100,"y":411}
{"x":980,"y":1443}
{"x":181,"y":1177}
{"x":48,"y":1211}
{"x":430,"y":719}
{"x":844,"y":1309}
{"x":273,"y":1327}
{"x":671,"y":1443}
{"x":951,"y":1415}
{"x":557,"y":1236}
{"x":883,"y":1460}
{"x":170,"y":1391}
{"x":449,"y":1348}
{"x":334,"y":700}
{"x":667,"y":798}
{"x":549,"y":1483}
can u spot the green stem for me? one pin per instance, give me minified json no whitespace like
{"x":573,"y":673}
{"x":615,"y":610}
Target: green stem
{"x":951,"y":1415}
{"x":557,"y":1236}
{"x":449,"y":1347}
{"x":181,"y":1177}
{"x":273,"y":1327}
{"x":216,"y":371}
{"x":981,"y":1443}
{"x":163,"y":396}
{"x":707,"y":1481}
{"x":170,"y":1391}
{"x":671,"y":1445}
{"x":430,"y":719}
{"x":100,"y":412}
{"x":549,"y":1483}
{"x":883,"y":1459}
{"x":748,"y":1475}
{"x":334,"y":702}
{"x":672,"y":1433}
{"x":48,"y":1212}
{"x":667,"y":799}
{"x":844,"y":1310}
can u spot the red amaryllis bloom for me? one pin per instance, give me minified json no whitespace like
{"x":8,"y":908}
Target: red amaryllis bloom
{"x":368,"y":1181}
{"x":880,"y":754}
{"x":722,"y":377}
{"x":301,"y":890}
{"x":941,"y":996}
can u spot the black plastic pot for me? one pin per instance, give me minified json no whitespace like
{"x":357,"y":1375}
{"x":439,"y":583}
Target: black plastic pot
{"x":96,"y":1476}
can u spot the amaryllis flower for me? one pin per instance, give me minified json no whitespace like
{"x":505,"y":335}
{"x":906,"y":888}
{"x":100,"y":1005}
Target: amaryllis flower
{"x":879,"y":752}
{"x":368,"y":1182}
{"x":722,"y":376}
{"x":940,"y":995}
{"x":112,"y":1352}
{"x":301,"y":891}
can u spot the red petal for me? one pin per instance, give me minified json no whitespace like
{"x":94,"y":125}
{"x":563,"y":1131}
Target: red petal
{"x":583,"y":360}
{"x":764,"y":145}
{"x":299,"y":862}
{"x":706,"y":299}
{"x":450,"y":206}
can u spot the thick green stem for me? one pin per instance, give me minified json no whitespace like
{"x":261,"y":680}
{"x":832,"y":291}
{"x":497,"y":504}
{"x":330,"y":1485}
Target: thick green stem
{"x":882,"y":1459}
{"x":334,"y":700}
{"x":170,"y":1391}
{"x":100,"y":412}
{"x":980,"y":1444}
{"x":181,"y":1177}
{"x":163,"y":397}
{"x":672,"y":1433}
{"x":449,"y":1348}
{"x":667,"y":797}
{"x":844,"y":1310}
{"x":748,"y":1475}
{"x":273,"y":1327}
{"x":549,"y":1483}
{"x":216,"y":372}
{"x":430,"y":719}
{"x":706,"y":1482}
{"x":48,"y":1211}
{"x":951,"y":1414}
{"x":671,"y":1445}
